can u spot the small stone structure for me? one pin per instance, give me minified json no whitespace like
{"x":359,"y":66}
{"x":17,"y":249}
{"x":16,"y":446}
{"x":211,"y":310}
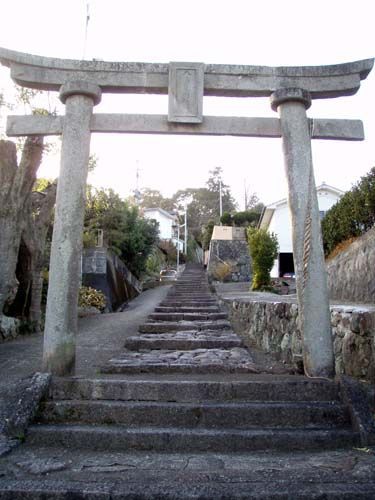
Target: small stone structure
{"x":9,"y":328}
{"x":272,"y":324}
{"x":291,"y":89}
{"x":229,"y":247}
{"x":104,"y":271}
{"x":351,"y":274}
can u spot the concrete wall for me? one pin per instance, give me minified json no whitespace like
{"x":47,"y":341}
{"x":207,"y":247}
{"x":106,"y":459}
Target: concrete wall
{"x":272,"y":325}
{"x":104,"y":271}
{"x":351,"y":274}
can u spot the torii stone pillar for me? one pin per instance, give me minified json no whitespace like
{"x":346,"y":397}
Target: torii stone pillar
{"x":311,"y":276}
{"x":61,"y":315}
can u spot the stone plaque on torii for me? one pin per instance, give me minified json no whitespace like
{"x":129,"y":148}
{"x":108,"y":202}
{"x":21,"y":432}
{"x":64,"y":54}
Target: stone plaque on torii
{"x":291,"y":90}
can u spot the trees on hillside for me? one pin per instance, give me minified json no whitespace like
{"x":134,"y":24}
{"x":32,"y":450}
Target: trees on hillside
{"x":352,"y":215}
{"x":127,"y":234}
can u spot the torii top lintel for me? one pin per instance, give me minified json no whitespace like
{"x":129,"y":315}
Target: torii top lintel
{"x":47,"y":73}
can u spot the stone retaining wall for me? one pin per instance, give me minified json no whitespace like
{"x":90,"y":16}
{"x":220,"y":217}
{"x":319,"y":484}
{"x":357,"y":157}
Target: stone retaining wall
{"x":233,"y":252}
{"x":351,"y":274}
{"x":272,"y":326}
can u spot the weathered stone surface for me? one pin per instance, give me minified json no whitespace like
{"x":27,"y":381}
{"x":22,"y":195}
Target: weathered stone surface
{"x":272,"y":325}
{"x":41,"y":466}
{"x":185,"y":92}
{"x":224,"y":80}
{"x":158,"y":124}
{"x":235,"y":360}
{"x":336,"y":475}
{"x":351,"y":274}
{"x":311,"y":276}
{"x":19,"y":408}
{"x":236,"y":254}
{"x":64,"y":276}
{"x":178,"y":326}
{"x":184,"y":340}
{"x":9,"y":328}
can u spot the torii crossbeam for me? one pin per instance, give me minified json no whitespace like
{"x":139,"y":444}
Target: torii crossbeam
{"x":291,"y":90}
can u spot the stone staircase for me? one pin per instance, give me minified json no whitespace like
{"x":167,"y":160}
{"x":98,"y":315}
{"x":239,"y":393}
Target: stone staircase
{"x":187,"y":383}
{"x":184,"y":413}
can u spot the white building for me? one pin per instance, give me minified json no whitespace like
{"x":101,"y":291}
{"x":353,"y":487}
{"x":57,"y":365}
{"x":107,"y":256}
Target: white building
{"x":167,"y":224}
{"x":276,"y":219}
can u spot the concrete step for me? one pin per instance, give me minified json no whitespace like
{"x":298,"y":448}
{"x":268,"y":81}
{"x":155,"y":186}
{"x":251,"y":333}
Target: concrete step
{"x":121,"y":438}
{"x":192,"y":389}
{"x":191,"y":316}
{"x":184,"y":340}
{"x":179,"y":326}
{"x":238,"y":415}
{"x":235,"y":360}
{"x":208,"y":309}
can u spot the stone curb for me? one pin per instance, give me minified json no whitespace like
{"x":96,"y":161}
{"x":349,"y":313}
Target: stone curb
{"x":22,"y":403}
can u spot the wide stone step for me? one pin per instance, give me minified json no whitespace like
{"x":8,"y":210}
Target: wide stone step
{"x":197,"y":316}
{"x":188,"y":303}
{"x":207,"y":388}
{"x":178,"y":326}
{"x":119,"y":438}
{"x":166,"y":309}
{"x":200,"y":481}
{"x":236,"y":360}
{"x":184,"y":340}
{"x":246,"y":415}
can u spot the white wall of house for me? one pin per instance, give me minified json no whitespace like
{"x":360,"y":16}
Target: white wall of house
{"x":277,"y":220}
{"x":165,"y":222}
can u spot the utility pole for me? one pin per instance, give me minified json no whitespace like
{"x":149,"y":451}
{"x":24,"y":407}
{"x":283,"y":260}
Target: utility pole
{"x":86,"y":28}
{"x":186,"y":233}
{"x":221,"y":201}
{"x":137,"y":193}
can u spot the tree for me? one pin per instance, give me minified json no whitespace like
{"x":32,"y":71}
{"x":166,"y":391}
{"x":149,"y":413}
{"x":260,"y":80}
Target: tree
{"x":263,"y":249}
{"x":34,"y":237}
{"x":226,"y":219}
{"x":127,"y":234}
{"x":16,"y":182}
{"x":152,"y":198}
{"x":207,"y":234}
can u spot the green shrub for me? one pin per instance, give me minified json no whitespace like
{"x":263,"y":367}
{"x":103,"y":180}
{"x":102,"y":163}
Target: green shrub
{"x":263,"y":247}
{"x":89,"y":297}
{"x":226,"y":219}
{"x":352,"y":215}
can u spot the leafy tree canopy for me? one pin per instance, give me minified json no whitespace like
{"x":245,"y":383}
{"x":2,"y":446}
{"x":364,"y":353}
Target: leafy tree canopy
{"x":127,"y":234}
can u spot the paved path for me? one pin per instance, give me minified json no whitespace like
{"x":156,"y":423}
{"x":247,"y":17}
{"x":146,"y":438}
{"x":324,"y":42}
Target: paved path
{"x":99,"y":337}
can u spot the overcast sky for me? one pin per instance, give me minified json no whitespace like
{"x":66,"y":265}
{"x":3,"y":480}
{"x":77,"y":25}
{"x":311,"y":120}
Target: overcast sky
{"x":274,"y":33}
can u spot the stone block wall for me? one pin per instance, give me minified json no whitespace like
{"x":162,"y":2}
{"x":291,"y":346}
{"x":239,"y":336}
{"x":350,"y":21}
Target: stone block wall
{"x":351,"y":274}
{"x":233,"y":252}
{"x":273,"y":327}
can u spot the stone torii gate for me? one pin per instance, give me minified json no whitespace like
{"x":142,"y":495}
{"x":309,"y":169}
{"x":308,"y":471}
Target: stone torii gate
{"x":291,"y":90}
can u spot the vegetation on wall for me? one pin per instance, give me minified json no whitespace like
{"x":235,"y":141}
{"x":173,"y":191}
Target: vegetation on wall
{"x":127,"y":234}
{"x":263,"y":247}
{"x":243,"y":219}
{"x":352,"y":215}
